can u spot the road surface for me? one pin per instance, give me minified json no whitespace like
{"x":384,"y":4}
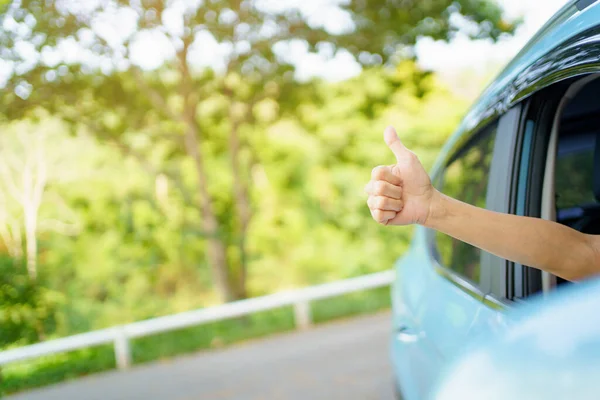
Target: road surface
{"x":341,"y":360}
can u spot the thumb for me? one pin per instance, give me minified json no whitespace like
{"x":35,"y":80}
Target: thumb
{"x":393,"y":141}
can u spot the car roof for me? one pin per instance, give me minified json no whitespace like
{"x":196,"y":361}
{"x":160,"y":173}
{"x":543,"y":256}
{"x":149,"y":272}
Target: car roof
{"x":570,"y":28}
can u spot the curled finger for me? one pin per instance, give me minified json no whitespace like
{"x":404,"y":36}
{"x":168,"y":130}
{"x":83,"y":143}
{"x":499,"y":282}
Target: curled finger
{"x":383,"y":216}
{"x":384,"y":173}
{"x":383,"y":188}
{"x":385,"y":203}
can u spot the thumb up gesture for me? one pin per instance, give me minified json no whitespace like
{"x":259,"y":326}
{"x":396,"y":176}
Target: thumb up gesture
{"x":400,"y":194}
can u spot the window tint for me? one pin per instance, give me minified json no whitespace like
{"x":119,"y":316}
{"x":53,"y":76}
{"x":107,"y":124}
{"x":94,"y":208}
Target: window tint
{"x":575,"y":171}
{"x":466,"y":179}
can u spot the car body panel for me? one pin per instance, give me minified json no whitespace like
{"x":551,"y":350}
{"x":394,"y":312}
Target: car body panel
{"x":426,"y":309}
{"x":416,"y":361}
{"x":545,"y":351}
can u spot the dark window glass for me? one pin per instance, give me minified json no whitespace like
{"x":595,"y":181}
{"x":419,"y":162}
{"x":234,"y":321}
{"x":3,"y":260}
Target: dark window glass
{"x":466,"y":179}
{"x":575,"y":171}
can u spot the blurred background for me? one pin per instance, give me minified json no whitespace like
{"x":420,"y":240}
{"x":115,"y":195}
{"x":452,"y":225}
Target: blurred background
{"x":163,"y":156}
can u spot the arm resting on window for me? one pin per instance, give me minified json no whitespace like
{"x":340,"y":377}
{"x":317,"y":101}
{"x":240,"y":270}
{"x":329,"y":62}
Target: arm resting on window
{"x":402,"y":194}
{"x":542,"y":244}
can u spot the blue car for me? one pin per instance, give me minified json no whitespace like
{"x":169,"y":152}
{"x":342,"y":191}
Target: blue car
{"x":529,"y":146}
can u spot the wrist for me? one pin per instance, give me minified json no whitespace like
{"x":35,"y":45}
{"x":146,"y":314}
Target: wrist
{"x":437,"y":210}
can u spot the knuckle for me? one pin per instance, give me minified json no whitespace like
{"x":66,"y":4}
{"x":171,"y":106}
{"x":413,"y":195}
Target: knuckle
{"x":381,"y":202}
{"x":378,"y":215}
{"x":379,"y":187}
{"x":370,"y":202}
{"x":378,"y":172}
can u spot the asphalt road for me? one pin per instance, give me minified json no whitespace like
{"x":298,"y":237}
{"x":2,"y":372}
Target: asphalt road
{"x":342,"y":360}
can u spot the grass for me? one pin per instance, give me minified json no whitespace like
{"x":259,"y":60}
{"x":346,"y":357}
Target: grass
{"x":57,"y":368}
{"x":52,"y":369}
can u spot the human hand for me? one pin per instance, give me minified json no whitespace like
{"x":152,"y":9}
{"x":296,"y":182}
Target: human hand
{"x":400,"y":194}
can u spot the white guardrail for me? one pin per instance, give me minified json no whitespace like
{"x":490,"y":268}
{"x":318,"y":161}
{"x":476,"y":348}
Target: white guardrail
{"x":120,"y":335}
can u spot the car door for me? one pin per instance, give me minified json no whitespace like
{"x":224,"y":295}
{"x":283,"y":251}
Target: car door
{"x":439,"y":296}
{"x":529,"y":137}
{"x":549,"y":352}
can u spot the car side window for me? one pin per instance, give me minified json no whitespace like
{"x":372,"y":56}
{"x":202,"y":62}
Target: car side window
{"x":574,"y":171}
{"x":466,"y":178}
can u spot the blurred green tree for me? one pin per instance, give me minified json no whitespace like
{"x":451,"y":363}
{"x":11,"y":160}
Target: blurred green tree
{"x":30,"y":159}
{"x":28,"y":310}
{"x":218,"y":72}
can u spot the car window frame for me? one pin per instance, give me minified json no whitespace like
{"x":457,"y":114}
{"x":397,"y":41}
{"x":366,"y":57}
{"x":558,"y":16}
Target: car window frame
{"x":504,"y":283}
{"x":532,"y":86}
{"x":505,"y":141}
{"x":539,"y":115}
{"x":501,"y":194}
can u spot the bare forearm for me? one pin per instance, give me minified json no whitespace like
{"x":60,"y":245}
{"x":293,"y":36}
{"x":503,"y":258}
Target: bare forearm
{"x":542,"y":244}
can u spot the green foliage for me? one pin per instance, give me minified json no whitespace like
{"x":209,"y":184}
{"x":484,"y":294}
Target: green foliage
{"x":55,"y":368}
{"x":209,"y":133}
{"x":351,"y":304}
{"x":177,"y":186}
{"x":383,"y":27}
{"x":310,"y":223}
{"x":27,"y":309}
{"x":212,"y":335}
{"x":136,"y":252}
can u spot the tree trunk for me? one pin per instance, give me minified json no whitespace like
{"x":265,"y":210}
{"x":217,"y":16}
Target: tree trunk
{"x":34,"y":182}
{"x":31,"y":243}
{"x":217,"y":250}
{"x":242,"y":204}
{"x":217,"y":255}
{"x":10,"y":233}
